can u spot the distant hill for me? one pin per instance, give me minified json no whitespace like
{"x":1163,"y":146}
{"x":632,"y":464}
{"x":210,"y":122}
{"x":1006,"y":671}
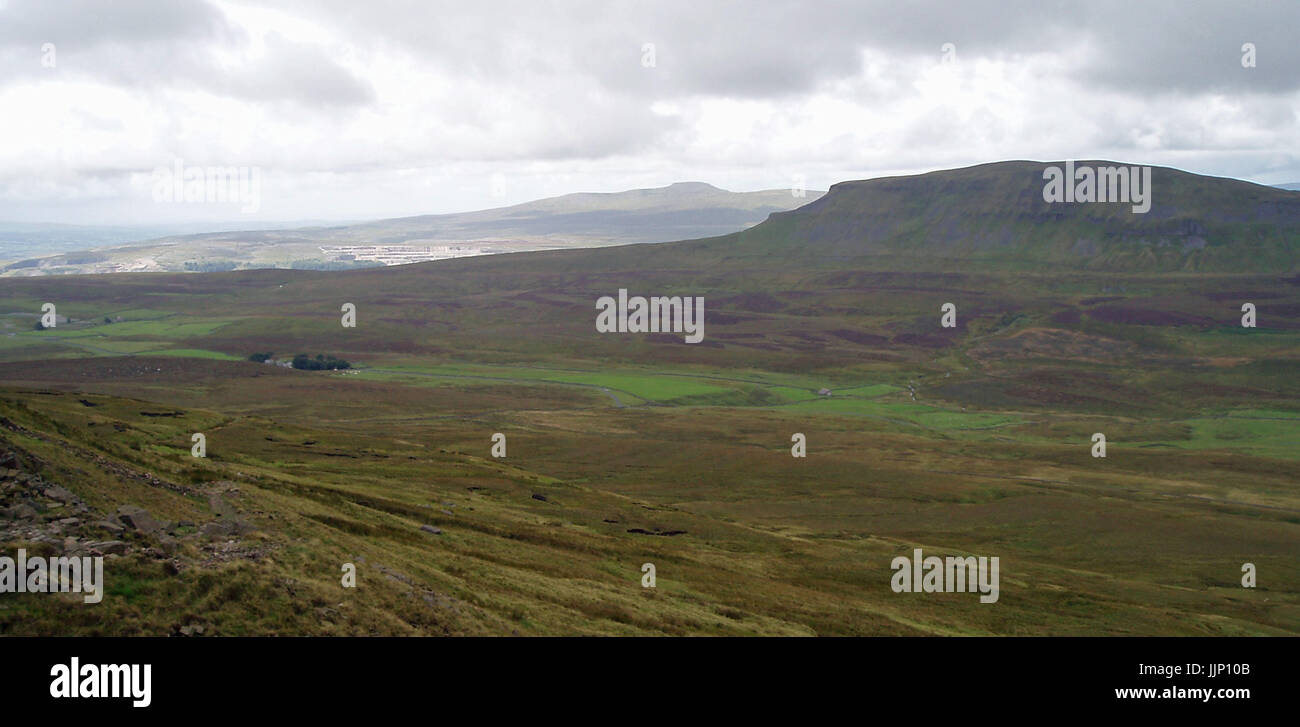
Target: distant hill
{"x":995,"y":215}
{"x":678,"y":211}
{"x":1292,"y":186}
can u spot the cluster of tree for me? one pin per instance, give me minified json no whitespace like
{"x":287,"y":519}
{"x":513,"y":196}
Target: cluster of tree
{"x":320,"y":363}
{"x":307,"y":363}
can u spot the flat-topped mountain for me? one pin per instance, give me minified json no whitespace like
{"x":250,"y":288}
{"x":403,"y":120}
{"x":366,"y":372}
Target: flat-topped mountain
{"x":996,"y":214}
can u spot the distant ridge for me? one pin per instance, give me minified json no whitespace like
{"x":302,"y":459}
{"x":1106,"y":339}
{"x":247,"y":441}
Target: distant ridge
{"x":585,"y":219}
{"x":995,"y":215}
{"x":679,"y":211}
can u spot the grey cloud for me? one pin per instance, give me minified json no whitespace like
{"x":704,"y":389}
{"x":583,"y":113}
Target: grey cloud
{"x":765,"y":49}
{"x":721,"y":48}
{"x":1195,"y":47}
{"x":147,"y":45}
{"x":297,"y":72}
{"x":89,"y":23}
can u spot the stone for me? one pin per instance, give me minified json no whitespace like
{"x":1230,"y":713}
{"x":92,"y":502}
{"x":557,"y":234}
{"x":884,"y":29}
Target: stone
{"x":109,"y":525}
{"x":109,"y":547}
{"x":168,"y":544}
{"x":62,"y":494}
{"x":225,"y":528}
{"x":215,"y":529}
{"x":22,"y":511}
{"x":138,"y":518}
{"x":431,"y":529}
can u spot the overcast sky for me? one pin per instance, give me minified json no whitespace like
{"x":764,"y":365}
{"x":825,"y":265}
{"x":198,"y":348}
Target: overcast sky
{"x":364,"y":108}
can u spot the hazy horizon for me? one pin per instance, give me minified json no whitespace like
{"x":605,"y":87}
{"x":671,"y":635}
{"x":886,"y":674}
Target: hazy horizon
{"x":232,"y":224}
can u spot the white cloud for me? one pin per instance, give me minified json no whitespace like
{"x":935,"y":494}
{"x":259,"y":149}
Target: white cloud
{"x":375,"y":109}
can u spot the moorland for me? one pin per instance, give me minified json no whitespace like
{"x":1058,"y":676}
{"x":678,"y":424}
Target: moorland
{"x":627,"y":449}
